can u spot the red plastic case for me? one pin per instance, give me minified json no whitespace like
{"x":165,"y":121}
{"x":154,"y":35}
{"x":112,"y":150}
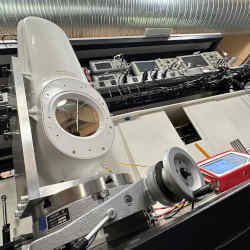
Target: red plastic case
{"x":229,"y":178}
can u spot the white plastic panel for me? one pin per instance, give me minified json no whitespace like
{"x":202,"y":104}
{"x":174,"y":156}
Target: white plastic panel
{"x":220,"y":122}
{"x":147,"y":138}
{"x":238,"y":113}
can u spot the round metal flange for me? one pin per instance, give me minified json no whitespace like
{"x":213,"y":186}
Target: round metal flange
{"x":77,"y":147}
{"x":174,"y":179}
{"x":181,"y":174}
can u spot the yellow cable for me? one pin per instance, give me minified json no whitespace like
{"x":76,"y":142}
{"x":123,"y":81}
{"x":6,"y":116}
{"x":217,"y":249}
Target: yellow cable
{"x":202,"y":150}
{"x":108,"y":169}
{"x":130,"y":164}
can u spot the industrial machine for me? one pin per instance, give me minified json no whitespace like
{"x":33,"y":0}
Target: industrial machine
{"x":81,"y":170}
{"x":63,"y":132}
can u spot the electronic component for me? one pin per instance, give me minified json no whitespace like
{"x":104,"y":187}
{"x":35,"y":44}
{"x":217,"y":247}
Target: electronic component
{"x":176,"y":67}
{"x":134,"y":79}
{"x":189,"y":65}
{"x":200,"y":63}
{"x":195,"y":61}
{"x":143,"y":66}
{"x":173,"y":84}
{"x":102,"y":81}
{"x":108,"y":65}
{"x":226,"y":170}
{"x":212,"y":58}
{"x":170,"y":64}
{"x":99,"y":78}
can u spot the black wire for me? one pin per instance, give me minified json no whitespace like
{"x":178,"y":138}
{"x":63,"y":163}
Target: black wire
{"x":192,"y":205}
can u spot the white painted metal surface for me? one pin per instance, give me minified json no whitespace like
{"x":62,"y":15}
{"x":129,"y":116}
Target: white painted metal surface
{"x":148,"y":137}
{"x":52,"y":73}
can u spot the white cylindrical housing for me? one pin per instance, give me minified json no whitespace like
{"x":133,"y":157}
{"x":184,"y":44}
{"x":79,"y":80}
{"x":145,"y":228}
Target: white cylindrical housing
{"x":71,"y":125}
{"x":45,"y":53}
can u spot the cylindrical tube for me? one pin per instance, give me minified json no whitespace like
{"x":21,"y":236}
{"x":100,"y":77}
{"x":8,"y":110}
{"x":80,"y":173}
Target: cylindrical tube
{"x":6,"y":226}
{"x":3,"y":198}
{"x":84,"y":18}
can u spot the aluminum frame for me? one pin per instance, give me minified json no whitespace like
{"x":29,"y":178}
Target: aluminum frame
{"x":29,"y":191}
{"x":30,"y":167}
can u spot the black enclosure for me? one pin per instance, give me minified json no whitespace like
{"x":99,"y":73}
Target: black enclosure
{"x":221,"y":223}
{"x":134,"y":48}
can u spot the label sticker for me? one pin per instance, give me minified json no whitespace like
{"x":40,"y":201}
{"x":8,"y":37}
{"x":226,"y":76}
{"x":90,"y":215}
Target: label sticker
{"x":58,"y":218}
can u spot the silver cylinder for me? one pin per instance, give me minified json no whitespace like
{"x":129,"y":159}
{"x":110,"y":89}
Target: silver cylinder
{"x":99,"y":18}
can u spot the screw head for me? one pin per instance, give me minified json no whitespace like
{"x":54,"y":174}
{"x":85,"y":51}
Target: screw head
{"x":3,"y":197}
{"x":111,"y":213}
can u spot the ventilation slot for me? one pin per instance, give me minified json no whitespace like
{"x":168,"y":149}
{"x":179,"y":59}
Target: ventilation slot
{"x":183,"y":125}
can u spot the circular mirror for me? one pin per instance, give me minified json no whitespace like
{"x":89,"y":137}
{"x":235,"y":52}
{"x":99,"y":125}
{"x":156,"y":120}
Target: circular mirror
{"x":77,"y":117}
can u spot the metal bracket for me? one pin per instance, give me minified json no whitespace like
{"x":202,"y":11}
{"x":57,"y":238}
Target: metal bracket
{"x":92,"y":214}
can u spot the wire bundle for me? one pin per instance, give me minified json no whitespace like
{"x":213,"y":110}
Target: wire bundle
{"x":169,"y":212}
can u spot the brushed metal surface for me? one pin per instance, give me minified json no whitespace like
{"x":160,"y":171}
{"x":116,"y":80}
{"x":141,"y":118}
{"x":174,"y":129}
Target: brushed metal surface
{"x":87,"y":213}
{"x":30,"y":172}
{"x":99,"y":18}
{"x":68,"y":192}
